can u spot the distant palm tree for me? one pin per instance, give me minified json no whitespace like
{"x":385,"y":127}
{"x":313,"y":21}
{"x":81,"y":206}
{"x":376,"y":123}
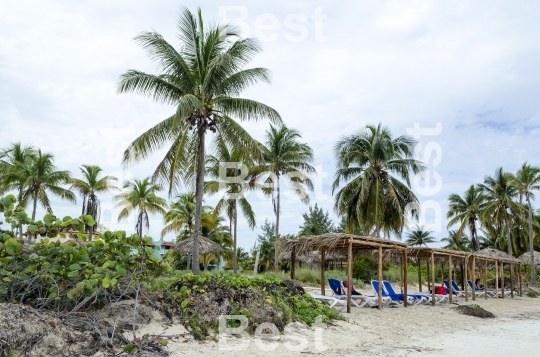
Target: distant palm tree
{"x":203,"y":79}
{"x":180,"y":218}
{"x":371,"y":163}
{"x":456,"y":241}
{"x":38,"y":177}
{"x":500,"y":195}
{"x":527,"y":180}
{"x":220,"y":234}
{"x":284,"y":156}
{"x":420,"y":236}
{"x":234,"y":194}
{"x":465,"y":211}
{"x":11,"y":159}
{"x":140,"y":195}
{"x":88,"y":187}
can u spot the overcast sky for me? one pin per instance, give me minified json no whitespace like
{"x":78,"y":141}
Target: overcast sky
{"x":472,"y":67}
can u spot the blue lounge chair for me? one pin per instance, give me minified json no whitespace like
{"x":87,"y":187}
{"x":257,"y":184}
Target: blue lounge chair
{"x":455,"y":288}
{"x":479,"y":292}
{"x":491,"y":292}
{"x":399,"y":298}
{"x":424,"y":298}
{"x":336,"y":287}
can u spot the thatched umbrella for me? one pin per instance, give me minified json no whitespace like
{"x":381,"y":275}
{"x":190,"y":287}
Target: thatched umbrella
{"x":495,"y":253}
{"x":526,"y":258}
{"x":206,"y":246}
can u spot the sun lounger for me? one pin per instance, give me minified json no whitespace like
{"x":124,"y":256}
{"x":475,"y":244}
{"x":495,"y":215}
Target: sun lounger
{"x":491,"y":292}
{"x":399,"y":298}
{"x":374,"y":299}
{"x":329,"y":300}
{"x":356,"y":300}
{"x":424,"y":298}
{"x":455,"y":288}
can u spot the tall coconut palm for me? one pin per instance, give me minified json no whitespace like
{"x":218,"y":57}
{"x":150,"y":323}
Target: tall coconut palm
{"x":500,"y":195}
{"x":11,"y":158}
{"x":203,"y":79}
{"x":38,"y":177}
{"x":465,"y":211}
{"x":457,"y":241}
{"x":420,"y":236}
{"x":284,"y":157}
{"x":234,"y":188}
{"x":180,"y":218}
{"x":527,"y":180}
{"x":140,"y":195}
{"x":371,"y":164}
{"x":88,"y":187}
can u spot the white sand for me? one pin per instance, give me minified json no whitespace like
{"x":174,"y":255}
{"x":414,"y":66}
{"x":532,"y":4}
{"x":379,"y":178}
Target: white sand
{"x":412,"y":331}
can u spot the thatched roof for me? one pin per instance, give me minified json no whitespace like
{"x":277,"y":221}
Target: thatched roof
{"x":526,"y":258}
{"x":439,"y":255}
{"x":497,"y":255}
{"x":335,"y":243}
{"x":206,"y":246}
{"x":313,"y":257}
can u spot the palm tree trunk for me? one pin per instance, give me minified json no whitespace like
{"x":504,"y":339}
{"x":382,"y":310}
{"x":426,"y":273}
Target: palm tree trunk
{"x":35,"y":207}
{"x":531,"y":243}
{"x":20,"y":200}
{"x":234,"y":238}
{"x":508,"y":235}
{"x":276,"y":266}
{"x":198,"y":203}
{"x":83,"y":204}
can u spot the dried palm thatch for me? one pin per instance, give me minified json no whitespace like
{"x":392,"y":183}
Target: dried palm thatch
{"x":525,"y":258}
{"x":314,"y":257}
{"x":206,"y":246}
{"x":496,"y":254}
{"x":424,"y":253}
{"x":335,"y":243}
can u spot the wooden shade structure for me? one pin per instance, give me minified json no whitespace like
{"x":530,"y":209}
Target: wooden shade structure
{"x":339,"y":243}
{"x":206,"y":246}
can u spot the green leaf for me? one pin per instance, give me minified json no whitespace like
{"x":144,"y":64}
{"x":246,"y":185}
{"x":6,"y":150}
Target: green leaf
{"x":106,"y":283}
{"x":32,"y":228}
{"x":13,"y":247}
{"x":74,"y":267}
{"x":130,"y":347}
{"x":120,"y":270}
{"x":185,"y":302}
{"x":48,"y":219}
{"x":162,"y":342}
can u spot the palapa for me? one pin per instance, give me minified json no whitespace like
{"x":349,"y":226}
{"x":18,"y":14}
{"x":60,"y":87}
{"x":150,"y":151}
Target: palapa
{"x":206,"y":246}
{"x":525,"y":258}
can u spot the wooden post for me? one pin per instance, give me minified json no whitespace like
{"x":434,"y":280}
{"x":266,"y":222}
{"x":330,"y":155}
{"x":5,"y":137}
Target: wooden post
{"x":401,"y":274}
{"x":496,"y":280}
{"x":419,"y":266}
{"x":432,"y":279}
{"x":519,"y":278}
{"x":450,"y":279}
{"x":466,"y":277}
{"x":512,"y":279}
{"x":428,"y":280}
{"x":349,"y":275}
{"x":405,"y":278}
{"x":380,"y":278}
{"x":502,"y":279}
{"x":323,"y":263}
{"x":485,"y":280}
{"x":293,"y":263}
{"x":473,"y":275}
{"x":256,"y":267}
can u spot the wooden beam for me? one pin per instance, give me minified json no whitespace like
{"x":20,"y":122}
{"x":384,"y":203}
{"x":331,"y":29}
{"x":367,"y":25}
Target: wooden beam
{"x":380,"y":278}
{"x":512,"y":279}
{"x":450,"y":279}
{"x":419,"y":266}
{"x":466,"y":286}
{"x":432,"y":279}
{"x":405,"y":278}
{"x":401,"y":273}
{"x":323,"y":263}
{"x":473,"y":274}
{"x":496,"y":280}
{"x":293,"y":263}
{"x":349,"y":275}
{"x":485,"y":280}
{"x":502,"y":279}
{"x":519,"y":278}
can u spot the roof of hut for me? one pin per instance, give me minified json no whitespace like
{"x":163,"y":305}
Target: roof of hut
{"x":206,"y":246}
{"x":496,"y":254}
{"x":334,"y":242}
{"x":526,"y":258}
{"x":439,"y":255}
{"x":313,"y":257}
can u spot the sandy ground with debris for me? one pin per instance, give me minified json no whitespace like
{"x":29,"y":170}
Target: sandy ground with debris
{"x":413,"y":331}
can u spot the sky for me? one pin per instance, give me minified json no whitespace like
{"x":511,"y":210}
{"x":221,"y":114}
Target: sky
{"x":465,"y":74}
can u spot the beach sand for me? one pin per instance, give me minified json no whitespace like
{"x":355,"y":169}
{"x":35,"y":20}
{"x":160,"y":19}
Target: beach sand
{"x":412,"y":331}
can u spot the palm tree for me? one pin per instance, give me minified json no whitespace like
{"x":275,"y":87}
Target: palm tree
{"x":88,"y":187}
{"x":203,"y":79}
{"x":371,"y":163}
{"x":456,"y":241}
{"x":234,"y":194}
{"x":11,"y":158}
{"x":500,"y":195}
{"x":420,"y":236}
{"x":38,"y":176}
{"x":180,"y":218}
{"x":140,"y":195}
{"x":527,"y":180}
{"x":465,"y":211}
{"x":284,"y":156}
